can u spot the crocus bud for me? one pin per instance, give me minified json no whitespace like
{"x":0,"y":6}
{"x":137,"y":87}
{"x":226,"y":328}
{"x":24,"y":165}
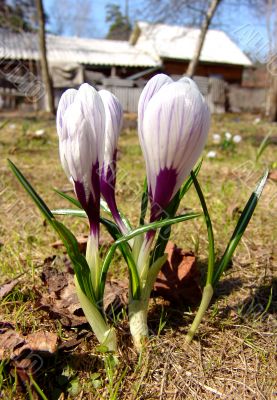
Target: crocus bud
{"x":113,"y":125}
{"x":81,"y":131}
{"x":173,"y":131}
{"x":152,"y":87}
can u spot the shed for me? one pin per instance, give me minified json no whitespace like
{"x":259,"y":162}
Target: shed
{"x":173,"y":46}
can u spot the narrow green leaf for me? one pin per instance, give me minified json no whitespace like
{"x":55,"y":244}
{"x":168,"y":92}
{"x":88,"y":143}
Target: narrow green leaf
{"x":186,"y":186}
{"x":126,"y":252}
{"x":171,"y":210}
{"x":209,"y":229}
{"x":156,"y":225}
{"x":263,"y":145}
{"x":144,"y":202}
{"x":103,"y":205}
{"x":79,"y":262}
{"x":33,"y":194}
{"x":70,"y":212}
{"x":71,"y":199}
{"x":165,"y":232}
{"x":135,"y":282}
{"x":111,"y":227}
{"x":105,"y":267}
{"x":240,"y":227}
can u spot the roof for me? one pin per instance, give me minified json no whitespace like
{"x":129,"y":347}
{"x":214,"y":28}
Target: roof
{"x":60,"y":49}
{"x":148,"y":46}
{"x":178,"y":42}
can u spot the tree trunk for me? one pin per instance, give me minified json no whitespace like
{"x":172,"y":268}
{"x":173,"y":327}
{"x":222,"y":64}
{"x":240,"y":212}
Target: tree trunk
{"x":49,"y":99}
{"x":204,"y":28}
{"x":272,"y":99}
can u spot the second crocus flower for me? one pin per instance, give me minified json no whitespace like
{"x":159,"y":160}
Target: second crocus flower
{"x":173,"y":129}
{"x":113,"y":118}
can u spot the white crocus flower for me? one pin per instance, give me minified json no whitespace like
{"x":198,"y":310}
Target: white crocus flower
{"x":228,"y":136}
{"x":81,"y":131}
{"x":237,"y":139}
{"x":211,"y":154}
{"x":173,"y":123}
{"x":216,"y":138}
{"x":173,"y":126}
{"x":114,"y":118}
{"x":82,"y":117}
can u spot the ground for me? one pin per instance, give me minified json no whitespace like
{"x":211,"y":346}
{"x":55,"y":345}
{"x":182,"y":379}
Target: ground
{"x":233,"y":354}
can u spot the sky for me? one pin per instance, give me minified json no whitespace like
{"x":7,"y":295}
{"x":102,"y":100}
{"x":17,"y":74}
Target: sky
{"x":91,"y":18}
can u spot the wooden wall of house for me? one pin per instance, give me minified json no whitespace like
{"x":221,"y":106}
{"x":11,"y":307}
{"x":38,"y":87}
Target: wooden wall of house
{"x":20,"y":84}
{"x":230,"y":73}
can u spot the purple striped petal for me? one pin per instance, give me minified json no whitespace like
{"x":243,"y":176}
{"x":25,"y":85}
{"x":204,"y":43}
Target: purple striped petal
{"x":66,"y":99}
{"x":173,"y":134}
{"x":164,"y":189}
{"x":151,"y":88}
{"x":81,"y":130}
{"x":114,"y":116}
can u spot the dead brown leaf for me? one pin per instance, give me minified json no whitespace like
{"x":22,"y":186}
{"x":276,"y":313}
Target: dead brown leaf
{"x":115,"y":296}
{"x":61,"y":300}
{"x":13,"y":344}
{"x":178,"y":280}
{"x":273,"y":175}
{"x":24,"y":353}
{"x":41,"y":341}
{"x":6,"y":288}
{"x":9,"y":341}
{"x":82,"y":243}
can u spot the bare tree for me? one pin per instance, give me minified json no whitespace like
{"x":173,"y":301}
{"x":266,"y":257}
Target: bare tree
{"x":198,"y":13}
{"x":204,"y":29}
{"x":272,"y":64}
{"x":43,"y":59}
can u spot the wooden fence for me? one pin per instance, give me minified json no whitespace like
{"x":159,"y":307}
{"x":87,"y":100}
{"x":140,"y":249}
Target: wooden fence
{"x":213,"y":89}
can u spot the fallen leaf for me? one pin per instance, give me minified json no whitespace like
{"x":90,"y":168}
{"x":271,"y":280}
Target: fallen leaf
{"x":62,"y":302}
{"x":9,"y":340}
{"x":24,"y":353}
{"x":82,"y":243}
{"x":6,"y":288}
{"x":115,"y":296}
{"x":273,"y":175}
{"x":41,"y":341}
{"x":13,"y":344}
{"x":178,"y":280}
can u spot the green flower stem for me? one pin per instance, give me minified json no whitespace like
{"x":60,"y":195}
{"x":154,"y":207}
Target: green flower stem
{"x":205,"y":302}
{"x":92,"y":257}
{"x":138,"y":309}
{"x":211,"y":259}
{"x":208,"y":289}
{"x":104,"y":333}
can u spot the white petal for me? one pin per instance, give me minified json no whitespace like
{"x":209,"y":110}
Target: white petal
{"x":93,"y":111}
{"x":114,"y":117}
{"x":175,"y":128}
{"x":66,"y":99}
{"x":152,"y":87}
